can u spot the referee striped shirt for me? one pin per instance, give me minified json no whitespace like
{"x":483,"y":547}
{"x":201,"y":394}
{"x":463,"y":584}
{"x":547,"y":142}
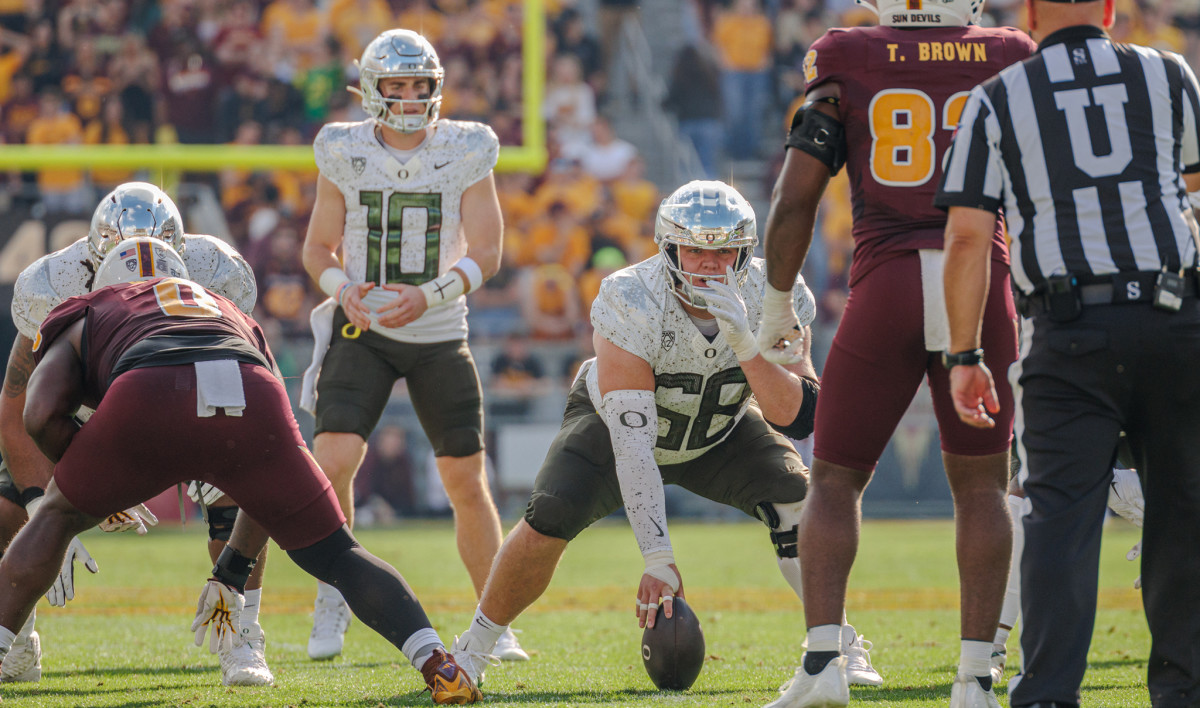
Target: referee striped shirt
{"x":1084,"y":146}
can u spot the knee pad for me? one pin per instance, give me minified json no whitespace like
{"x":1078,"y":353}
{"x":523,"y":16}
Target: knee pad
{"x":220,"y":522}
{"x":340,"y":418}
{"x":549,"y":516}
{"x":459,"y":442}
{"x":783,"y":520}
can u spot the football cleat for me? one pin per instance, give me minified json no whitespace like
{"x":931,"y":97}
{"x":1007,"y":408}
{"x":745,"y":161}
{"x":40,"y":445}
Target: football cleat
{"x":470,"y":655}
{"x":999,"y":657}
{"x":330,"y":622}
{"x":857,"y":651}
{"x":967,"y":692}
{"x":828,"y":689}
{"x":448,"y":683}
{"x":508,"y":648}
{"x":246,"y":663}
{"x":23,"y":663}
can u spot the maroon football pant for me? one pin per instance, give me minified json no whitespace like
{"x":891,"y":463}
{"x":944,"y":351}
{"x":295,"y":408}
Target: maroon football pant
{"x":878,"y":360}
{"x":146,"y":437}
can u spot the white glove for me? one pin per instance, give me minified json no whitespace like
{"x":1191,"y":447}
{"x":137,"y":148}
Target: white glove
{"x":203,"y":493}
{"x":220,"y":606}
{"x":780,"y":337}
{"x":136,"y":518}
{"x":63,"y":588}
{"x":727,"y":305}
{"x":1125,"y":497}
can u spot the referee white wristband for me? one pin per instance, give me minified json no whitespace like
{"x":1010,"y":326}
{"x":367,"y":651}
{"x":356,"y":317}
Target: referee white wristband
{"x":463,"y":277}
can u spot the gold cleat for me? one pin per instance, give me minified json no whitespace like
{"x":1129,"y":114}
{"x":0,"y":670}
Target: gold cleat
{"x":447,"y":682}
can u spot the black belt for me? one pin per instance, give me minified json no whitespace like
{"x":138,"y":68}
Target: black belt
{"x":1111,"y":289}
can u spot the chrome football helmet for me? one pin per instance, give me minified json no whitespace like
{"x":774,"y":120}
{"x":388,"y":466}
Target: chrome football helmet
{"x":926,"y":13}
{"x":133,"y":209}
{"x":704,"y":214}
{"x":139,"y":258}
{"x":402,"y":53}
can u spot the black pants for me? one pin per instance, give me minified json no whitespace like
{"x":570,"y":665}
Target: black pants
{"x":1118,"y":367}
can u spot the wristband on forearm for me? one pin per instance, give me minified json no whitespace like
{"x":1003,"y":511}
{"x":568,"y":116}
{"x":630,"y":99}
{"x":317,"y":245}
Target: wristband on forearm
{"x":333,"y":282}
{"x":462,"y":278}
{"x":29,"y":496}
{"x":233,"y":568}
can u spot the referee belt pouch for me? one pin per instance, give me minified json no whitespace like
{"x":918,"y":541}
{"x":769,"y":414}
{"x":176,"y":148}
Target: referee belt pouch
{"x":1063,"y":297}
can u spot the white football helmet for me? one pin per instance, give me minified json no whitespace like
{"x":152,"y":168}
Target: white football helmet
{"x":704,"y":214}
{"x":139,"y":258}
{"x":926,"y":13}
{"x":402,"y":53}
{"x":133,"y":209}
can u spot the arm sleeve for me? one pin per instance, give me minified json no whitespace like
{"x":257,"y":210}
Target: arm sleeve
{"x":632,"y":419}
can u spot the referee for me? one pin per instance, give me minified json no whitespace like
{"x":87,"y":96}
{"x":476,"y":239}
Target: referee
{"x":1090,"y":147}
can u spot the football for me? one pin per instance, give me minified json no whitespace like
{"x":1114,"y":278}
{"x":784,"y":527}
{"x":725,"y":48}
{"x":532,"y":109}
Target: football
{"x":673,"y":649}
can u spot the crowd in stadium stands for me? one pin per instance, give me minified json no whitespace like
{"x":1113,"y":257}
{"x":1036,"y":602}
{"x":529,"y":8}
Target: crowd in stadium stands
{"x":248,"y":72}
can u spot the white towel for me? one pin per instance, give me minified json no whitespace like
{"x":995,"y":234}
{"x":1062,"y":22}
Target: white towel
{"x":321,"y":321}
{"x":219,"y":385}
{"x":937,"y":324}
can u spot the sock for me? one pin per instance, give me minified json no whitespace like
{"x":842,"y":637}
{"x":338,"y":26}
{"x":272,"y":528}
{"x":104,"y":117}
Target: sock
{"x":27,"y":630}
{"x":1017,"y":506}
{"x":824,"y":645}
{"x":975,"y":659}
{"x":250,"y":611}
{"x":327,"y":593}
{"x":420,"y":646}
{"x":485,"y":632}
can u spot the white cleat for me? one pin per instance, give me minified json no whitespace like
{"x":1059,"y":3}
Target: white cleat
{"x":968,"y":693}
{"x":828,"y":689}
{"x":999,"y":658}
{"x":246,"y":663}
{"x":508,"y":648}
{"x":857,"y":651}
{"x":469,"y":654}
{"x":330,"y":622}
{"x":23,"y":664}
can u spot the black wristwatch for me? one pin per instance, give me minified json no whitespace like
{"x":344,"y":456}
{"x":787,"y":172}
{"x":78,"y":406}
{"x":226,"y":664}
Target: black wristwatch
{"x":972,"y":357}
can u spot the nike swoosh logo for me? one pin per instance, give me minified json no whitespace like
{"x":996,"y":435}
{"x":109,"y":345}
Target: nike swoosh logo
{"x":438,"y":167}
{"x":660,"y":531}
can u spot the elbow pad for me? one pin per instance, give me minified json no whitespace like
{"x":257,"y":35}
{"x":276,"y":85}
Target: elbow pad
{"x":802,"y":426}
{"x":632,"y":419}
{"x":819,"y":135}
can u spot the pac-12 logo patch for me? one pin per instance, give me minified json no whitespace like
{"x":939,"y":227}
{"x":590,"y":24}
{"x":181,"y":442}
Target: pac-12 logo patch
{"x":668,"y":339}
{"x":358,"y":164}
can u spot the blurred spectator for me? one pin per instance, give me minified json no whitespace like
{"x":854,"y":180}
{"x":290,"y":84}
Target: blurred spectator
{"x":20,"y":109}
{"x":238,"y":44}
{"x":695,"y":81}
{"x":294,"y":30}
{"x":354,"y":23}
{"x":633,"y":194}
{"x":134,"y":71}
{"x":550,"y":302}
{"x":108,"y":129}
{"x":570,"y":104}
{"x":573,"y":38}
{"x":495,"y":308}
{"x":605,"y":262}
{"x":559,"y":238}
{"x":606,"y":157}
{"x":613,"y":14}
{"x":742,"y":36}
{"x":317,"y":84}
{"x":14,"y":50}
{"x":45,"y":63}
{"x":517,"y":376}
{"x":389,"y":471}
{"x":86,"y":82}
{"x":190,"y":95}
{"x":245,"y":101}
{"x":62,"y":190}
{"x":584,"y":350}
{"x":421,"y":16}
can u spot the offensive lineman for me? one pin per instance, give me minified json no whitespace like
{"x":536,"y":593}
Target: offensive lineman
{"x":667,"y":399}
{"x":411,"y":202}
{"x":884,"y":101}
{"x":132,"y":209}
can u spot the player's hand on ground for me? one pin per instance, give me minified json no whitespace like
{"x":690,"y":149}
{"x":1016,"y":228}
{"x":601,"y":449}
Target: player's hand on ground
{"x":133,"y":519}
{"x":727,"y":305}
{"x":219,"y":608}
{"x":410,"y":303}
{"x":63,"y":588}
{"x":352,"y":304}
{"x":974,"y":395}
{"x":780,"y":337}
{"x":659,"y":584}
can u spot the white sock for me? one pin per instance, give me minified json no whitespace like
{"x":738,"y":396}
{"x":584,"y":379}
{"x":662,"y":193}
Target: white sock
{"x":421,"y":645}
{"x":825,"y":637}
{"x":1011,"y":609}
{"x":484,"y":631}
{"x":250,"y":611}
{"x":27,"y":630}
{"x":328,"y":594}
{"x":975,"y":658}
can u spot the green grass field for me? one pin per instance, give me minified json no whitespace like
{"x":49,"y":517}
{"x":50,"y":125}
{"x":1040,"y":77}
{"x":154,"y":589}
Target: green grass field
{"x":125,"y":641}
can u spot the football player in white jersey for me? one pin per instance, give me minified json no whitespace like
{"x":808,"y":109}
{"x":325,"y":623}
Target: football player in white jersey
{"x":132,"y":209}
{"x":677,"y":393}
{"x":411,"y":201}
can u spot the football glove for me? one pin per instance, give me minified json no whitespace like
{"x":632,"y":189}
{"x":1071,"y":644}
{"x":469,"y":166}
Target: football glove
{"x":136,"y":518}
{"x":727,"y":305}
{"x":220,"y":606}
{"x":204,"y":493}
{"x":1125,"y":497}
{"x":63,"y":588}
{"x":780,"y":337}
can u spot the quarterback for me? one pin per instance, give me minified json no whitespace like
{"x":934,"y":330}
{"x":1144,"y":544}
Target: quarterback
{"x":884,"y":101}
{"x":132,"y":209}
{"x":676,"y":394}
{"x":411,"y":202}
